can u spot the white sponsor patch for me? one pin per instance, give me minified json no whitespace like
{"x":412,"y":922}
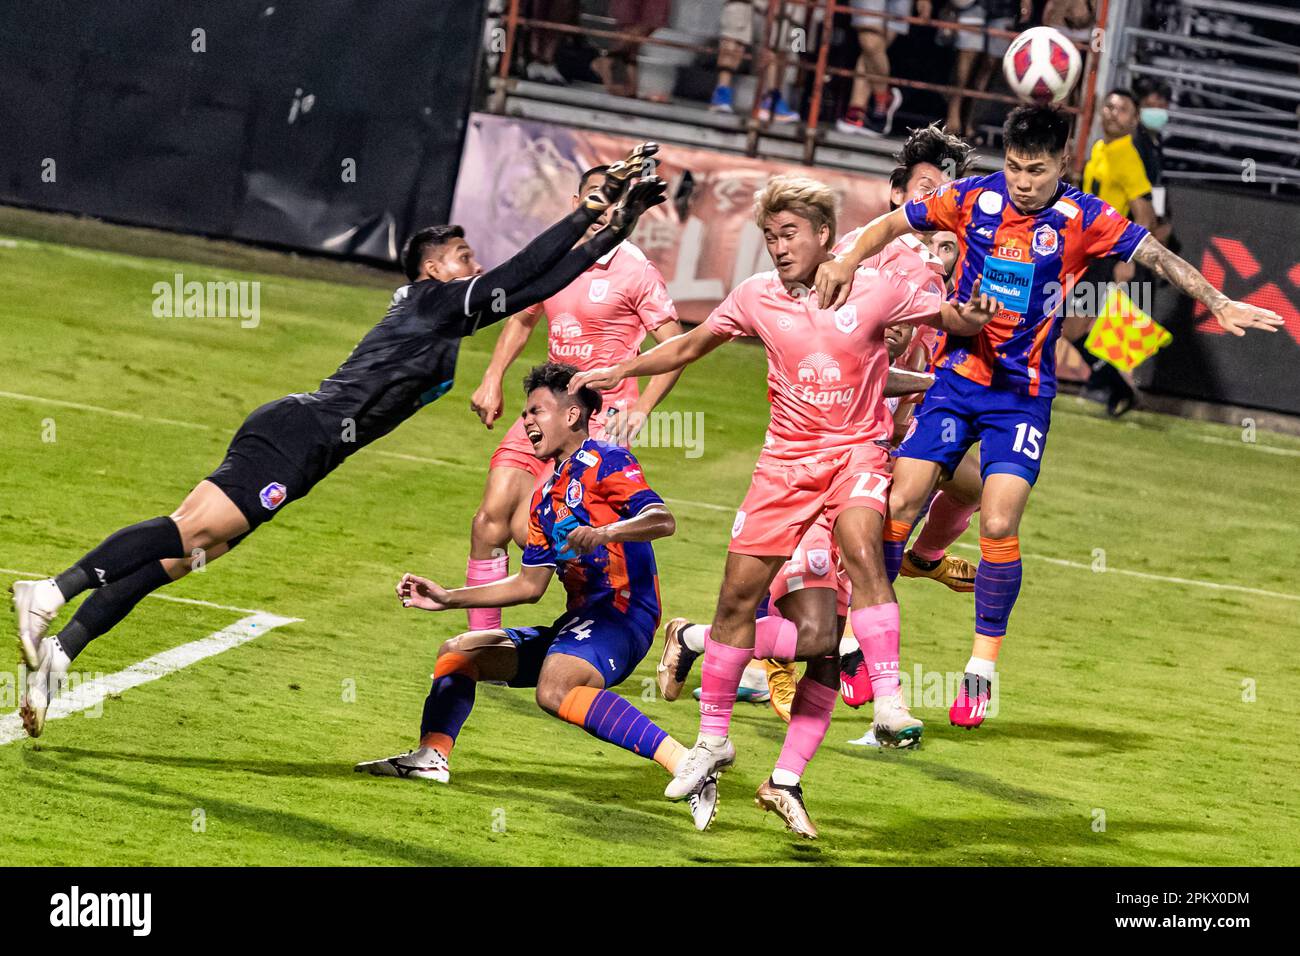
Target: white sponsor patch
{"x":846,"y":318}
{"x":598,"y":290}
{"x":738,"y":524}
{"x":990,"y":202}
{"x":586,"y":457}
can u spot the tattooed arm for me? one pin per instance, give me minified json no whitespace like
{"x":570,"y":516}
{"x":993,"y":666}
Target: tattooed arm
{"x":1235,"y":317}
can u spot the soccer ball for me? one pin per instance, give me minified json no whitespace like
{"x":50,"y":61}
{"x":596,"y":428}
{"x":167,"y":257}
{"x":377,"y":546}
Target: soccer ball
{"x":1041,"y":65}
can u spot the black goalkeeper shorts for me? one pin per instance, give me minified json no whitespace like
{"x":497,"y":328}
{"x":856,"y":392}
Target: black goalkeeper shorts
{"x":277,"y":456}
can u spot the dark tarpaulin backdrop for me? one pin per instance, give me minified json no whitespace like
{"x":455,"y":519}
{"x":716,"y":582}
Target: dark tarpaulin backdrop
{"x":249,"y":138}
{"x":1246,"y":247}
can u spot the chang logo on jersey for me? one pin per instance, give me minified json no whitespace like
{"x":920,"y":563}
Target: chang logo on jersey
{"x":566,"y":333}
{"x":273,"y":495}
{"x":818,"y":376}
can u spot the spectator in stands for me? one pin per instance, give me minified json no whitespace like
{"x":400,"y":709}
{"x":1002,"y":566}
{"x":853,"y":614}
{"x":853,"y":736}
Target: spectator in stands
{"x":639,"y":17}
{"x":742,"y":24}
{"x":979,"y":54}
{"x":1074,"y":18}
{"x":873,"y":102}
{"x":1153,"y":114}
{"x":542,"y":43}
{"x":1115,"y":173}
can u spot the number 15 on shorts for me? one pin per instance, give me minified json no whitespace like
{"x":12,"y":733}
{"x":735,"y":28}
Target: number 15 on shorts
{"x":1028,"y":439}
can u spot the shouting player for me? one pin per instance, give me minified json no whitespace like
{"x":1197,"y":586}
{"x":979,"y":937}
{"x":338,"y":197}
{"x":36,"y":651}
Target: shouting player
{"x":1026,"y":235}
{"x":286,"y":446}
{"x":592,"y":522}
{"x":598,"y":319}
{"x":822,"y":456}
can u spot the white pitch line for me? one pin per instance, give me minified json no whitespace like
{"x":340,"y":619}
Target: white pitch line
{"x":1194,"y":582}
{"x":1252,"y":446}
{"x":1167,"y":579}
{"x":116,"y":413}
{"x":85,"y":696}
{"x":37,"y":576}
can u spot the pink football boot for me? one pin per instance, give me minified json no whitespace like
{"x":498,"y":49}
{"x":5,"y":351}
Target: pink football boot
{"x":855,"y":682}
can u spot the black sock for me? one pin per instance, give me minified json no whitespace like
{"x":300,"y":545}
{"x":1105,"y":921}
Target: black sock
{"x":922,"y":563}
{"x":102,"y":611}
{"x":122,"y":553}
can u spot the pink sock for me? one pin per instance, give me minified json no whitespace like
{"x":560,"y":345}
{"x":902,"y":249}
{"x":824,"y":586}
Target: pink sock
{"x":876,"y":629}
{"x":485,"y":571}
{"x":810,"y":716}
{"x":719,"y":678}
{"x":775,"y":637}
{"x":944,"y":524}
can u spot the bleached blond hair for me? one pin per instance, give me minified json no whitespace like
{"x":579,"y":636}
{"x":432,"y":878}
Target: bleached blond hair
{"x":801,"y":195}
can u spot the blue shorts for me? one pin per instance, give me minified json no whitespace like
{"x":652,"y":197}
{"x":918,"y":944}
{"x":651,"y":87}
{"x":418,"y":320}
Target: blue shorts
{"x":610,"y":641}
{"x":1011,"y":428}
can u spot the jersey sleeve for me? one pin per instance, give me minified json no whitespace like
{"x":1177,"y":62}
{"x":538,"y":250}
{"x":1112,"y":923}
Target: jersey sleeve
{"x":654,"y":306}
{"x":729,"y":319}
{"x":1107,"y":233}
{"x":537,"y":547}
{"x":908,"y":301}
{"x":941,"y":209}
{"x":623,"y":487}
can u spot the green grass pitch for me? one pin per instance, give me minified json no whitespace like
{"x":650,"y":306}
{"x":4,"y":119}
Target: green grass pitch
{"x":1142,"y":721}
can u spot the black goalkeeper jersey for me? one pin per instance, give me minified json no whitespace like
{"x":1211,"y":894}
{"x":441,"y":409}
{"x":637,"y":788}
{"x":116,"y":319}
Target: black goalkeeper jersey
{"x":409,"y":358}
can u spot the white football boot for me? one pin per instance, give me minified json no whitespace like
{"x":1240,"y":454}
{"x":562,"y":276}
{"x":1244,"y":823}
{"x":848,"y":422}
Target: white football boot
{"x":703,"y":803}
{"x":43,"y":686}
{"x":36,"y":603}
{"x":701,"y":762}
{"x":894,"y":725}
{"x":423,"y":764}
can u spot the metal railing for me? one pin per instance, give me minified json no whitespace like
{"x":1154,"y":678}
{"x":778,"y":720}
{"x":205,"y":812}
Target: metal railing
{"x":769,"y":53}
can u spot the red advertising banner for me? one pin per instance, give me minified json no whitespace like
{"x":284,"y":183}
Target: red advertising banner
{"x":518,"y":176}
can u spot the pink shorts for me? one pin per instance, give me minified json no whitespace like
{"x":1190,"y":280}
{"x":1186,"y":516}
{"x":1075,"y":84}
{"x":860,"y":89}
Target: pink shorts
{"x":815,"y":564}
{"x":516,"y":451}
{"x":785,"y":498}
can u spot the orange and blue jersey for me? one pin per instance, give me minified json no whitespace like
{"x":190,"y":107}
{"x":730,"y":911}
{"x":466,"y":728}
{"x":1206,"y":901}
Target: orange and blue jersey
{"x":1029,"y":261}
{"x":597,"y":485}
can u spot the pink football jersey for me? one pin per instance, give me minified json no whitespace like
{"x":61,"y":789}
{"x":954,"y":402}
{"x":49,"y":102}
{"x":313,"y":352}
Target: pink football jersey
{"x":826,"y":368}
{"x":602,"y":316}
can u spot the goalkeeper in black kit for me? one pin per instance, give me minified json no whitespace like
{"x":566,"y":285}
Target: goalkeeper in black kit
{"x":285,"y":447}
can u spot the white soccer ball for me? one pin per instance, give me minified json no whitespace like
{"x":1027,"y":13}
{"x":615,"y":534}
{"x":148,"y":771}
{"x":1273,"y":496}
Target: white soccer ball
{"x":1042,"y":66}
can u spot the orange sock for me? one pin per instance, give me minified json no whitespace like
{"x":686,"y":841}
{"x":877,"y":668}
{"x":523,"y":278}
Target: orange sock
{"x":986,"y":648}
{"x":897,"y":530}
{"x":440,"y":742}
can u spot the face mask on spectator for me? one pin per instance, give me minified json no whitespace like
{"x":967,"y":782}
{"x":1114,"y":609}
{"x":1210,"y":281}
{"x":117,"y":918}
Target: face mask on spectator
{"x":1154,"y":118}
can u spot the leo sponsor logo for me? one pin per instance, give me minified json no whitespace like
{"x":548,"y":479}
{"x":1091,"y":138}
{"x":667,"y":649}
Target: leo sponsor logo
{"x":272,"y":496}
{"x":819,"y":374}
{"x":1010,"y":252}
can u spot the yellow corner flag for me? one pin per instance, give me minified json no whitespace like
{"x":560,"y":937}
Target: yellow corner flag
{"x":1123,"y":334}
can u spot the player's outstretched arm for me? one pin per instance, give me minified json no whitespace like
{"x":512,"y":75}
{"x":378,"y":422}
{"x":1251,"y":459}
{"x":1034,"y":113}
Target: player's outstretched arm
{"x":650,"y":524}
{"x":835,"y":276}
{"x":679,"y":351}
{"x":623,"y":216}
{"x":969,"y":317}
{"x":525,"y":587}
{"x":1235,"y":317}
{"x":487,"y":402}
